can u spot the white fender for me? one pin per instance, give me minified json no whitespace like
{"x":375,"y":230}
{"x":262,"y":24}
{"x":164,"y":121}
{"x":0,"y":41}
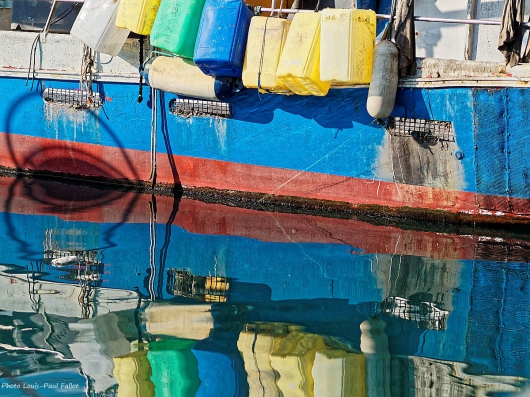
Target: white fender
{"x":384,"y":82}
{"x":183,"y":78}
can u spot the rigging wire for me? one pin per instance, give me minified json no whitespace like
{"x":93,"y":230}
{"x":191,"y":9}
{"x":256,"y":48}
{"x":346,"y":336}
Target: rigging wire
{"x":154,"y":127}
{"x":36,"y":43}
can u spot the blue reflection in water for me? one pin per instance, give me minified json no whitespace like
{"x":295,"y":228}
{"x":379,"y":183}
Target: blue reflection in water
{"x":112,"y":293}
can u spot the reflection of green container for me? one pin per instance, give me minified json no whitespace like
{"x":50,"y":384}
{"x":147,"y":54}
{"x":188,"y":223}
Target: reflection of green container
{"x":174,"y":368}
{"x":176,"y":26}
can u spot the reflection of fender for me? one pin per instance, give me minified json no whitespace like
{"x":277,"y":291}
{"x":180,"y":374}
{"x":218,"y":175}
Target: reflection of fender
{"x":65,"y":261}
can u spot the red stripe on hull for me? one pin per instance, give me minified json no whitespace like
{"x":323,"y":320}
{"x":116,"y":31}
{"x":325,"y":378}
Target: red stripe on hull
{"x":284,"y":182}
{"x":101,"y":161}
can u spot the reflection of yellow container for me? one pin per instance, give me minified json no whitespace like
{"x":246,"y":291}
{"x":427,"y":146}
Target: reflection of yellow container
{"x":347,"y":45}
{"x":137,"y":15}
{"x":339,"y":374}
{"x":293,"y":360}
{"x":266,"y":38}
{"x":133,"y":373}
{"x":299,"y":65}
{"x":255,"y":349}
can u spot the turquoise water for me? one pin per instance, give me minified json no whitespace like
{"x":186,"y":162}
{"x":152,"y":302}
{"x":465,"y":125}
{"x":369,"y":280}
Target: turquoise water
{"x":114,"y":293}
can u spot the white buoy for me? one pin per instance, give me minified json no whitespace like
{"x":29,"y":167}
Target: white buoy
{"x":384,"y":82}
{"x":182,"y":77}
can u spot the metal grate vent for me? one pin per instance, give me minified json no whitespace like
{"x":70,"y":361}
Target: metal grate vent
{"x":77,"y":99}
{"x":197,"y":107}
{"x":420,"y":129}
{"x":425,"y":314}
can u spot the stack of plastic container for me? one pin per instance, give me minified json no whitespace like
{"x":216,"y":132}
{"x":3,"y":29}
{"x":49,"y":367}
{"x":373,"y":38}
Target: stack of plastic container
{"x":266,"y":38}
{"x":96,"y":26}
{"x":347,"y":45}
{"x":176,"y":26}
{"x":222,"y":38}
{"x":303,"y":57}
{"x":137,"y":15}
{"x":299,"y":65}
{"x":309,"y":54}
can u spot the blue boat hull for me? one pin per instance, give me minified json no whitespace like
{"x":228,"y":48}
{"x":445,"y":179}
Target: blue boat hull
{"x":315,"y":148}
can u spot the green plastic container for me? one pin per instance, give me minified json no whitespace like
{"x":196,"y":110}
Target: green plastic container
{"x":176,"y":26}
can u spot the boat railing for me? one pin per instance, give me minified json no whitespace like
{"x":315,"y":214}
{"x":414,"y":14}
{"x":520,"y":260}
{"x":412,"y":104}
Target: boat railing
{"x":387,"y":17}
{"x":259,"y":9}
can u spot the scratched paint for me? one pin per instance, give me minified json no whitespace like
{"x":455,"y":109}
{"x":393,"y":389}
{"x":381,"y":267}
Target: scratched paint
{"x":219,"y":125}
{"x":424,"y":163}
{"x":66,"y":122}
{"x":501,"y":146}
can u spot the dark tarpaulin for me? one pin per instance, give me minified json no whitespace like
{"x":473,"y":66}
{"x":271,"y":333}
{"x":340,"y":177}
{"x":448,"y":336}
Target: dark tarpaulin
{"x":404,"y":33}
{"x":512,"y":32}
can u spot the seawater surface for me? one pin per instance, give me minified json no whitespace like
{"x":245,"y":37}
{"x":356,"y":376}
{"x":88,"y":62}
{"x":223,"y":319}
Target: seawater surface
{"x":108,"y":293}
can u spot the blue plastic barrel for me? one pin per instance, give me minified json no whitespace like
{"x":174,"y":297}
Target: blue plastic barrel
{"x":222,"y":38}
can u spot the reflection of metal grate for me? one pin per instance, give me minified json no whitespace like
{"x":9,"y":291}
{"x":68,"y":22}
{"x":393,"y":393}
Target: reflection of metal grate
{"x":197,"y":107}
{"x":77,"y":99}
{"x":208,"y":289}
{"x":425,"y":314}
{"x":421,"y":129}
{"x":92,"y":275}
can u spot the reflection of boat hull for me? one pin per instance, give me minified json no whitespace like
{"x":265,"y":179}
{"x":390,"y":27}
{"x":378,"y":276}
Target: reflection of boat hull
{"x":308,"y":147}
{"x":327,"y":275}
{"x":83,"y":206}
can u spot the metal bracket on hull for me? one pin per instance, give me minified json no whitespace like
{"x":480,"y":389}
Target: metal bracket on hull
{"x":77,"y":99}
{"x":196,"y":107}
{"x":429,"y":131}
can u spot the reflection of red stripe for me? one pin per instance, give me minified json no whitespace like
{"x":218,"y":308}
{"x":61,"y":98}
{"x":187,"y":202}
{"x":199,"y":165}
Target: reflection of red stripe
{"x":87,"y":159}
{"x":216,"y":219}
{"x":205,"y":218}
